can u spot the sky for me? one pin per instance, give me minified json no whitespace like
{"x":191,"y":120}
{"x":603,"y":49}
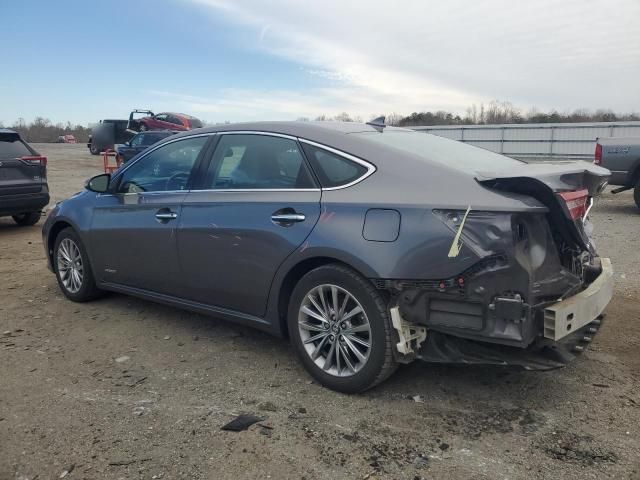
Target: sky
{"x":245,"y":60}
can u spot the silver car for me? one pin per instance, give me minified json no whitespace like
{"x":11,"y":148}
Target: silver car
{"x":367,"y":246}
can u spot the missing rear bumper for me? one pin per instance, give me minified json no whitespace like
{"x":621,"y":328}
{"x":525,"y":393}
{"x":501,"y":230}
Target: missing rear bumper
{"x":544,"y":355}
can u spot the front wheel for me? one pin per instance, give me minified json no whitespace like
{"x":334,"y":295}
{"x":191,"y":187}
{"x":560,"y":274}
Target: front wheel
{"x":636,"y":194}
{"x":94,"y":149}
{"x":72,"y":267}
{"x":339,"y":326}
{"x":27,"y":219}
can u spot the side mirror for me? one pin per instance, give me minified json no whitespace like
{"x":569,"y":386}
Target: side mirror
{"x":99,"y":183}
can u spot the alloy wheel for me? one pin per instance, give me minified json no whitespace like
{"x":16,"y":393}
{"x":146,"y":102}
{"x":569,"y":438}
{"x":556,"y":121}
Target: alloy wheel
{"x":70,"y":265}
{"x":334,"y":330}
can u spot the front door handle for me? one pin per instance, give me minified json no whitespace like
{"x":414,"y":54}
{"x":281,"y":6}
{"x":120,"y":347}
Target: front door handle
{"x":288,"y":217}
{"x":165,"y":215}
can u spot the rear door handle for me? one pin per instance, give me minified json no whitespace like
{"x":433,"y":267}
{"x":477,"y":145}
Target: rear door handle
{"x":288,"y":217}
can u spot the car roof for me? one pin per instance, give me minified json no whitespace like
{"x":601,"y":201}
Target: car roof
{"x":8,"y":130}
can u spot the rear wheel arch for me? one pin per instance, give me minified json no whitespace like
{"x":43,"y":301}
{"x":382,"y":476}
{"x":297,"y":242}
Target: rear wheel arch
{"x":292,"y":278}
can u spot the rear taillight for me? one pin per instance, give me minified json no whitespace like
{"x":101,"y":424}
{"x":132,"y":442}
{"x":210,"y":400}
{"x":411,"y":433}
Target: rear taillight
{"x":597,"y":158}
{"x":35,"y":160}
{"x":576,"y":202}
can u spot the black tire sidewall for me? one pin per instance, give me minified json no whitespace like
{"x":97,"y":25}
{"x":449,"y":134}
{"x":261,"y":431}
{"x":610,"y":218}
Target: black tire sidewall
{"x":336,"y":275}
{"x":27,"y":219}
{"x":636,"y":194}
{"x":88,"y":288}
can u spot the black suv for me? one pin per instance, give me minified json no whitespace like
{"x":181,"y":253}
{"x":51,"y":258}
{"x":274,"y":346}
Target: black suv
{"x":23,"y":179}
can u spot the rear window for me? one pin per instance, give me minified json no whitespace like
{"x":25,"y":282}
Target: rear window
{"x":12,"y":147}
{"x":333,"y":170}
{"x":442,"y":150}
{"x":195,"y":123}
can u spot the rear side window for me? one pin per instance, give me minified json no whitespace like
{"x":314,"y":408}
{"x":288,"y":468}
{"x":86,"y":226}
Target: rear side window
{"x":333,"y":170}
{"x":12,"y":147}
{"x":258,"y":162}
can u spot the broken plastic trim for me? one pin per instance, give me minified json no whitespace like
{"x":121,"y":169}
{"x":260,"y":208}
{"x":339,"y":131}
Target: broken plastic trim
{"x":407,"y":332}
{"x":454,"y":251}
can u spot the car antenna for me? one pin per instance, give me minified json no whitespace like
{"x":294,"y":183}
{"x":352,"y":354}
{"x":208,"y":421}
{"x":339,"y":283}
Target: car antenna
{"x":377,"y":122}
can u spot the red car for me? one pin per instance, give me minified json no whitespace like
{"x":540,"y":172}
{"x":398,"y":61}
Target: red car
{"x":162,"y":121}
{"x":67,"y":139}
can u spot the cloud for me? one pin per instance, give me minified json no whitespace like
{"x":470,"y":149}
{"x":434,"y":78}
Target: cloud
{"x":381,"y":56}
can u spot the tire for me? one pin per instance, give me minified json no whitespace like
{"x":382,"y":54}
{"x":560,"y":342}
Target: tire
{"x":94,"y":150}
{"x":27,"y":219}
{"x":68,"y":245}
{"x":353,"y":374}
{"x":636,"y":194}
{"x":142,"y":127}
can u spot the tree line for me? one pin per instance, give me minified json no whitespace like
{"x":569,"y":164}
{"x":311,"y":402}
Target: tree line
{"x":495,"y":112}
{"x":42,"y":130}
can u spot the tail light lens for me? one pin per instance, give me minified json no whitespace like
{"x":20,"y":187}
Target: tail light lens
{"x":597,"y":159}
{"x":576,"y":202}
{"x":35,"y":160}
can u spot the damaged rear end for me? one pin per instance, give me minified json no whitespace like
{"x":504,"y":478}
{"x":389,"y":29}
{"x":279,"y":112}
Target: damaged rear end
{"x":537,"y":293}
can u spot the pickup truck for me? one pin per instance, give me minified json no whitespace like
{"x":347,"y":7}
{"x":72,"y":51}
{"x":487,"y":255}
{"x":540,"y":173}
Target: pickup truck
{"x":621,"y":155}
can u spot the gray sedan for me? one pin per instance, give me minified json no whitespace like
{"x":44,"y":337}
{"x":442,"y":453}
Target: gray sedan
{"x":367,"y":246}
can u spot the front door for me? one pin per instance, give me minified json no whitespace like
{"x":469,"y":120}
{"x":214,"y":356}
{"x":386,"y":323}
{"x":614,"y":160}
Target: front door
{"x":133,"y":232}
{"x":257,"y":203}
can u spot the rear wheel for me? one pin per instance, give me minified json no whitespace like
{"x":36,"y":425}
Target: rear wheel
{"x":72,"y":267}
{"x":339,"y":326}
{"x":27,"y":219}
{"x":94,"y":149}
{"x":142,"y":127}
{"x":636,"y":193}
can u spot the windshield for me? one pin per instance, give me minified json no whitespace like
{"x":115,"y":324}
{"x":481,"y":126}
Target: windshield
{"x":442,"y":150}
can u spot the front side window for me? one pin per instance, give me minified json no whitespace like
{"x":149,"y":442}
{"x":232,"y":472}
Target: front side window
{"x":165,"y":169}
{"x":333,"y":170}
{"x":258,"y":162}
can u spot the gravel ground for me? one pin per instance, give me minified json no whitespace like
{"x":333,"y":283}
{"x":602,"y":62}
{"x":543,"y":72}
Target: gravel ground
{"x":126,"y":389}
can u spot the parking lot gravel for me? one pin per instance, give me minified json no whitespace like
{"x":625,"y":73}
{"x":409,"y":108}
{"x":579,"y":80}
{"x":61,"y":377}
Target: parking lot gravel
{"x":121,"y":388}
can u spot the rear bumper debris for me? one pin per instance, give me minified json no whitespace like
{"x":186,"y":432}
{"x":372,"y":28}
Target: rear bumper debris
{"x":563,"y":317}
{"x":543,"y":355}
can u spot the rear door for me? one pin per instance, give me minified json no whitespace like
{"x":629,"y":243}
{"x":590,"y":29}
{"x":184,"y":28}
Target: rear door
{"x":256,"y":204}
{"x":22,"y":170}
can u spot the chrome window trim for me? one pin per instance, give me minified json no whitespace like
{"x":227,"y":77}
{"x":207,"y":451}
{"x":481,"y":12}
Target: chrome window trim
{"x":371,"y":169}
{"x":159,"y":192}
{"x":229,"y":190}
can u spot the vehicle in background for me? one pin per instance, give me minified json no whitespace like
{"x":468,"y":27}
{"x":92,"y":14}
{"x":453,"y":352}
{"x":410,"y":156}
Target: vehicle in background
{"x":621,"y":155}
{"x":139,"y":143}
{"x":368,"y":246}
{"x":161,"y":121}
{"x":23,"y":179}
{"x":66,"y":139}
{"x":106,"y":134}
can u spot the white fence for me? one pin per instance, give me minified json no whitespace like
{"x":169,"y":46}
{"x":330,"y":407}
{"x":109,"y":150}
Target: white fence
{"x":565,"y":140}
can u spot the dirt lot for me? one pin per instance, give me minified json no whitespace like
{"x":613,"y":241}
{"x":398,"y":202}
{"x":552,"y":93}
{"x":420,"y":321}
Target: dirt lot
{"x":125,"y":389}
